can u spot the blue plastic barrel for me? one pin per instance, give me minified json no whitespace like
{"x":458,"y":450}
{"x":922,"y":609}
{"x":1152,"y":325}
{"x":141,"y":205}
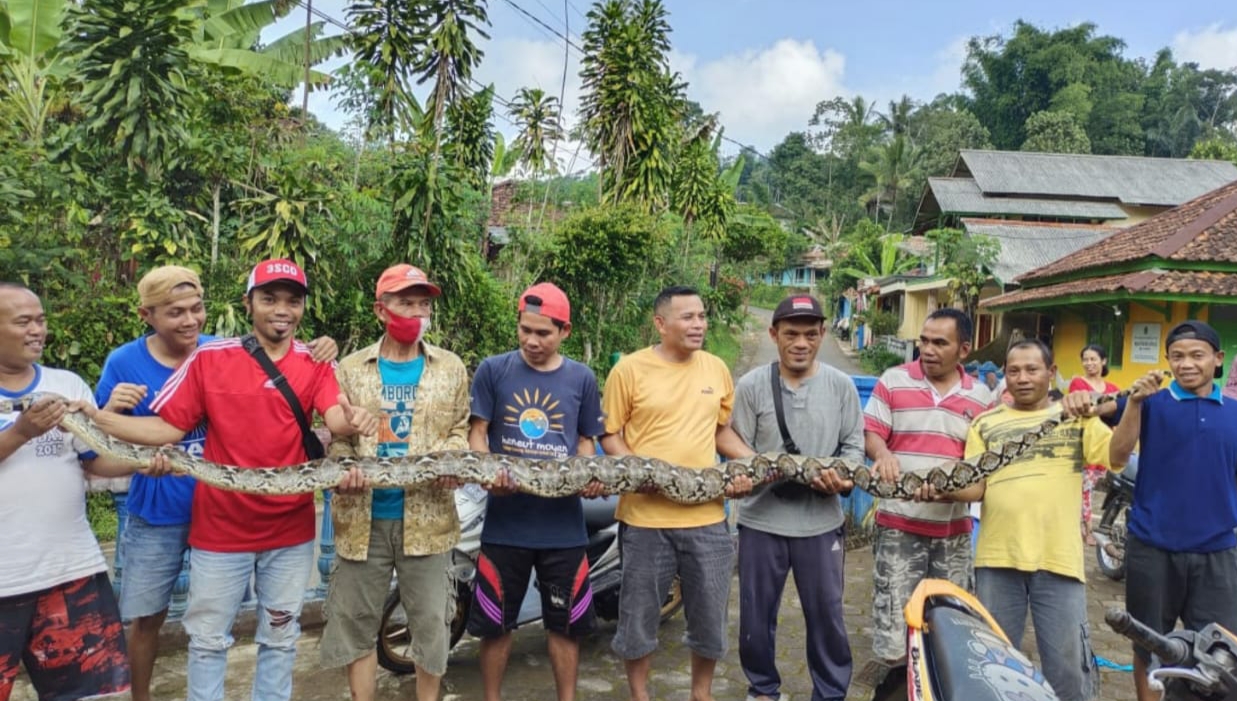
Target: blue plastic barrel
{"x":859,"y":503}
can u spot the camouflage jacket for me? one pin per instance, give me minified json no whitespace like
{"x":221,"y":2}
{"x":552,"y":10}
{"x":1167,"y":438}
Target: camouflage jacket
{"x":439,"y":422}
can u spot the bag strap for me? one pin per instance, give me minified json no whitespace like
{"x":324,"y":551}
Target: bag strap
{"x":309,"y":439}
{"x":787,"y":442}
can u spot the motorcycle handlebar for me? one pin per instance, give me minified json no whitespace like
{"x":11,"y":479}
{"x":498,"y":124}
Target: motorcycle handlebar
{"x":1172,"y":652}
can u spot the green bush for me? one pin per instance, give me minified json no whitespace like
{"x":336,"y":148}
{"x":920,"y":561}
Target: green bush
{"x":881,"y":323}
{"x":877,"y":359}
{"x":101,"y":513}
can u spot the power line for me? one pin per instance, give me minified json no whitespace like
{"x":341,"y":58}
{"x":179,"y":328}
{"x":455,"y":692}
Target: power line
{"x":539,"y":21}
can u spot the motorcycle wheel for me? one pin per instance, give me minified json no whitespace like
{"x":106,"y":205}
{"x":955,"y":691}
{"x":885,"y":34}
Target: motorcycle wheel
{"x":674,"y":601}
{"x":394,"y":637}
{"x":1111,"y":564}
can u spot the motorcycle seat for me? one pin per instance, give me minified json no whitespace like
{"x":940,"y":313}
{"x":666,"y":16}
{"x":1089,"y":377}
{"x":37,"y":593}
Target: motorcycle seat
{"x":599,"y":513}
{"x":970,"y":662}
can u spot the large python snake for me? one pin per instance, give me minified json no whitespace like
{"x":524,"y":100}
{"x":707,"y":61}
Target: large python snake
{"x":556,"y":477}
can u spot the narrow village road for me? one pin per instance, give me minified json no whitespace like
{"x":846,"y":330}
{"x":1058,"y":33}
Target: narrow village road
{"x":759,"y":349}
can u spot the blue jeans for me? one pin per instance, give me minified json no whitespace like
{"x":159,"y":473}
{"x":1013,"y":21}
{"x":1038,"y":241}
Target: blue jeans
{"x":153,"y":559}
{"x":217,"y":585}
{"x":1059,"y":610}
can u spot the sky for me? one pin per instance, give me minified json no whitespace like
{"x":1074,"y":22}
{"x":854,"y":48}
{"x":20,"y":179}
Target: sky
{"x":763,"y":65}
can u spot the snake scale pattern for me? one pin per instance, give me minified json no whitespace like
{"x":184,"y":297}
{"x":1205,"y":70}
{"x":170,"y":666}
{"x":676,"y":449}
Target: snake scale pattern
{"x":556,"y":477}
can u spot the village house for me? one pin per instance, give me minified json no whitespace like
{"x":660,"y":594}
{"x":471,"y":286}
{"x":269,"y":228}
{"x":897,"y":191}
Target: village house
{"x":1127,"y":291}
{"x":1040,"y":208}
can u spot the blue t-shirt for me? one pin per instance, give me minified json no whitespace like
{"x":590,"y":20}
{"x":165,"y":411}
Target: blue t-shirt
{"x":399,"y":392}
{"x":535,"y":414}
{"x":1185,"y":497}
{"x":160,"y":501}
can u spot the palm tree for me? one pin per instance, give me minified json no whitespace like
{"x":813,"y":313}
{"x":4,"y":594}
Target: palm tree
{"x":536,"y":115}
{"x":890,"y":166}
{"x":632,"y":102}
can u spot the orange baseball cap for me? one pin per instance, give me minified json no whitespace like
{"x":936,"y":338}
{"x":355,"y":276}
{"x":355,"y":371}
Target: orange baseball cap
{"x":401,"y":277}
{"x":546,"y":299}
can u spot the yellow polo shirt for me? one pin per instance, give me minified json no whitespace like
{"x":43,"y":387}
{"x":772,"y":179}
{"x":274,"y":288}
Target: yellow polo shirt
{"x":669,"y":411}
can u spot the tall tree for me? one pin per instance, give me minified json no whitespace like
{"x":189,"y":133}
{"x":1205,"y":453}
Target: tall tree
{"x":632,"y":102}
{"x":537,"y":116}
{"x":1055,"y":132}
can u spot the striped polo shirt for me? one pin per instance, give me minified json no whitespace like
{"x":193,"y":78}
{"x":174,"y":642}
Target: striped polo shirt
{"x":924,"y":429}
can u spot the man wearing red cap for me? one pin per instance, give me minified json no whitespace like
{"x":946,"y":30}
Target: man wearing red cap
{"x":535,"y":403}
{"x":251,"y":423}
{"x":155,"y":537}
{"x":420,"y":393}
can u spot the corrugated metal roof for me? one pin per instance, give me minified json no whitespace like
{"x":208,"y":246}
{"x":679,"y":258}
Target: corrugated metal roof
{"x":1132,"y":180}
{"x":1202,"y":230}
{"x":1027,"y":246}
{"x":962,"y":196}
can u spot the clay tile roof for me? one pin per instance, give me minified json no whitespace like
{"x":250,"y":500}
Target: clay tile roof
{"x":1201,"y":230}
{"x":1184,"y":282}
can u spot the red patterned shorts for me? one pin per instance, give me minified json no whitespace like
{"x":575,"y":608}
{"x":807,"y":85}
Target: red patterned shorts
{"x":69,"y":638}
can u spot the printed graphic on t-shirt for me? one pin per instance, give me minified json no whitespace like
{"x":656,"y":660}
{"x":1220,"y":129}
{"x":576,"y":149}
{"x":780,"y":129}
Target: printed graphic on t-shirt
{"x":533,"y":414}
{"x":393,"y":432}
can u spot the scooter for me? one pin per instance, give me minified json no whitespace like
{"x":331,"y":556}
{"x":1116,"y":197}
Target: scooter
{"x":605,"y":576}
{"x":957,"y":652}
{"x":1111,"y":534}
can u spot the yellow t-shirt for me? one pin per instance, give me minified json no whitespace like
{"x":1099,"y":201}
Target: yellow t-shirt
{"x":669,"y":411}
{"x":1032,"y":506}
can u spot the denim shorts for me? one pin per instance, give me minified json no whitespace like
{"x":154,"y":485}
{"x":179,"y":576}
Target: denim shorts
{"x":153,"y":556}
{"x":703,"y":558}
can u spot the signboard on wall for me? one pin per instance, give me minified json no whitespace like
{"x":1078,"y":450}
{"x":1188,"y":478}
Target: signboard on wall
{"x":1145,"y":347}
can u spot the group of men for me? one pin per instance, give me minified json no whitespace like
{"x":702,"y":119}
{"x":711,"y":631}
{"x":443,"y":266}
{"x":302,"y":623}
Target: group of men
{"x":247,"y":402}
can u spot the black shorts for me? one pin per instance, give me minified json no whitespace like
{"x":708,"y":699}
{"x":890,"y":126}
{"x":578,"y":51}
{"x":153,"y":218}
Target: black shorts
{"x":69,"y":638}
{"x":502,"y":578}
{"x":1162,"y":587}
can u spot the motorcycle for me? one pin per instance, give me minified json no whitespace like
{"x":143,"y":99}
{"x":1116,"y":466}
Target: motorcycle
{"x":1111,"y":534}
{"x":957,"y":652}
{"x":605,"y":576}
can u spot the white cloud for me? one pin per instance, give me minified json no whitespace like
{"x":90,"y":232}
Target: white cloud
{"x":762,"y":94}
{"x":1213,"y":46}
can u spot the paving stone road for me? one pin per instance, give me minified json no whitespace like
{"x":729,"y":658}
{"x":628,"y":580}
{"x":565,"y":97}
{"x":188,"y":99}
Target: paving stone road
{"x":601,"y":673}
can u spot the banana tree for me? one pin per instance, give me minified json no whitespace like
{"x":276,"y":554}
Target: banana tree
{"x":30,"y":35}
{"x":231,"y":30}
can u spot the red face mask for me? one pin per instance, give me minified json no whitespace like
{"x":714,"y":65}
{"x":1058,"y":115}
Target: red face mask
{"x":407,"y":330}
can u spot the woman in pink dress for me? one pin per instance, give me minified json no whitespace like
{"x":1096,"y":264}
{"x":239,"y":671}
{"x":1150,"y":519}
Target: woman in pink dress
{"x":1095,"y":367}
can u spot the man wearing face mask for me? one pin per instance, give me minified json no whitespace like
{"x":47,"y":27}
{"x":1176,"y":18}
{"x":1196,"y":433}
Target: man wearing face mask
{"x":420,"y":394}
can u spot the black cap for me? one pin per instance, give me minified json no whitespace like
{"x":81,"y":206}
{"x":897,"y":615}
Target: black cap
{"x":1193,"y":329}
{"x":1199,"y":331}
{"x":803,"y":306}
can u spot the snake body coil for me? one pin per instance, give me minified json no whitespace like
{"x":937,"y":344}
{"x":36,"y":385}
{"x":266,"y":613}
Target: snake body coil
{"x":556,"y":477}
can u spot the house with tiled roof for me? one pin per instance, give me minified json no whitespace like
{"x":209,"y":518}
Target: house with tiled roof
{"x":1126,"y":291}
{"x":1040,"y":208}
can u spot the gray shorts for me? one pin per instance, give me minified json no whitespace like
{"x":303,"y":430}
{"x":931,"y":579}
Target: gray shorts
{"x":703,"y":558}
{"x":1163,"y":586}
{"x":359,"y":589}
{"x":153,"y":559}
{"x":901,"y":561}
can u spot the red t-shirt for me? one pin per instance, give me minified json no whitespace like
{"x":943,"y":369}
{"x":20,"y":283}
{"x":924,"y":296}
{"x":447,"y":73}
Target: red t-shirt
{"x":249,"y":424}
{"x":1080,"y":384}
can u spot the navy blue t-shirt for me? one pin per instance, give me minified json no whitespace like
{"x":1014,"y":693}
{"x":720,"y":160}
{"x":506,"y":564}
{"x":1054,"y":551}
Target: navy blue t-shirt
{"x":1185,"y":497}
{"x":535,"y":414}
{"x":160,"y":501}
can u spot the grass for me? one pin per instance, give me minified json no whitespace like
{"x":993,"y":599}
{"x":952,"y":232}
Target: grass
{"x":723,"y":342}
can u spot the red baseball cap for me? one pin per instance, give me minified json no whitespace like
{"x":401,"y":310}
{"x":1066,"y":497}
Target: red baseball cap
{"x":401,"y":277}
{"x":276,"y":270}
{"x":546,"y":299}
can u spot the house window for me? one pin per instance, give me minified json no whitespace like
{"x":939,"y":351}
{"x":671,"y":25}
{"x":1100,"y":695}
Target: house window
{"x":1109,"y":333}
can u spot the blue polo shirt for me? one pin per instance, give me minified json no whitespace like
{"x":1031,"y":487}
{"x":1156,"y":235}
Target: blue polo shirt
{"x":1185,"y":498}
